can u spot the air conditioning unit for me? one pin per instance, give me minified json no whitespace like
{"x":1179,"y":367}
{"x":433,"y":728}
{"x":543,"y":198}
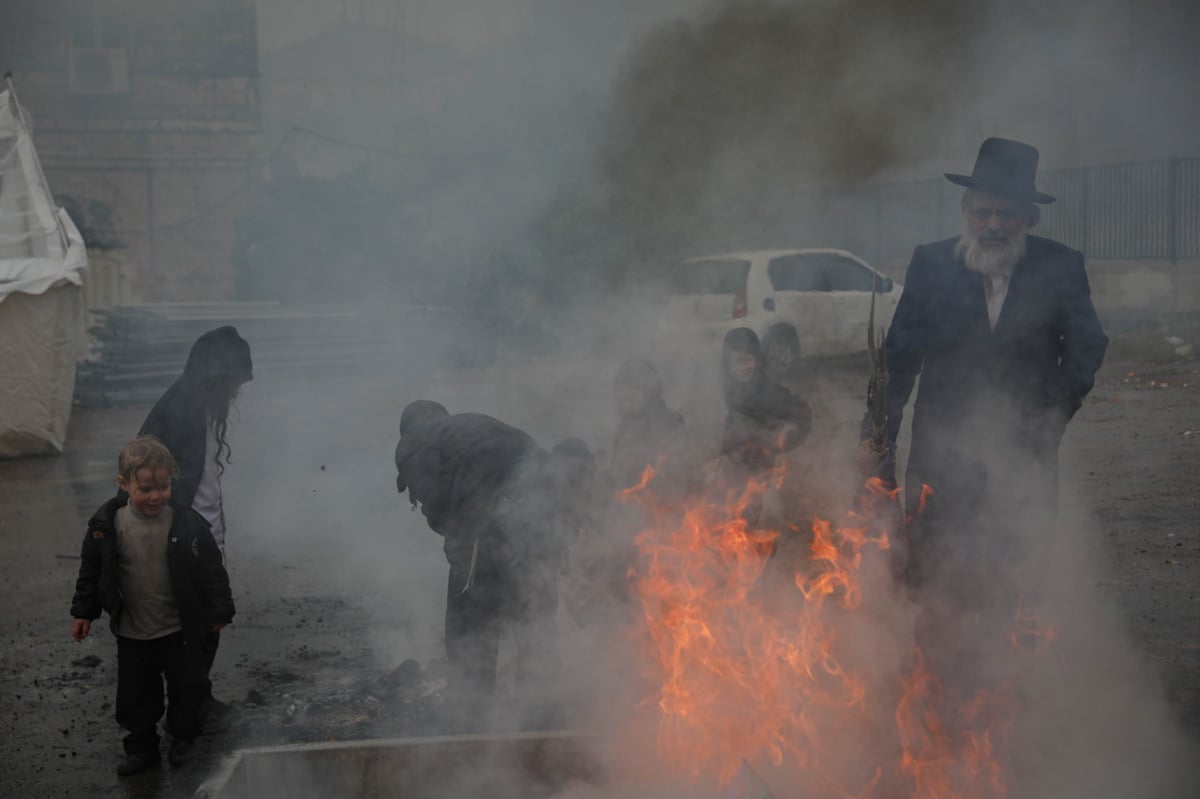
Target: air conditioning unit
{"x":92,"y":70}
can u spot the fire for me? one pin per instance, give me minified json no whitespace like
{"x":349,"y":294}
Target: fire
{"x":747,"y":675}
{"x":1029,"y":632}
{"x":922,"y":503}
{"x":744,"y":677}
{"x":948,"y":754}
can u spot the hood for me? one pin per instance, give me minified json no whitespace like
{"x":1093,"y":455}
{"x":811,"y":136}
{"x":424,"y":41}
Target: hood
{"x":640,"y":375}
{"x":414,"y":453}
{"x":219,"y":354}
{"x":419,"y":412}
{"x":742,"y":339}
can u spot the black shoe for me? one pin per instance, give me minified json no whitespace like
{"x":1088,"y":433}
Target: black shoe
{"x":138,"y":762}
{"x":214,"y":709}
{"x":217,"y":716}
{"x":177,"y":755}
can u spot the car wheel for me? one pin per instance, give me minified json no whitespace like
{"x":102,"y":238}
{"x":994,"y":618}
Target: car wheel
{"x":781,"y":348}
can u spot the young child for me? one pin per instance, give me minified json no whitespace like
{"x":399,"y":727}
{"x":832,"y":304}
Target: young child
{"x":191,"y":420}
{"x":157,"y":572}
{"x":764,"y":419}
{"x":649,"y":433}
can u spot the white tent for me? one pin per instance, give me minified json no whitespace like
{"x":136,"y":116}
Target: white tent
{"x":42,"y":264}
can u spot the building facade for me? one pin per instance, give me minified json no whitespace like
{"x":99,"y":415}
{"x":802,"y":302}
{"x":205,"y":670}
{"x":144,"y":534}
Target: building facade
{"x":146,"y":119}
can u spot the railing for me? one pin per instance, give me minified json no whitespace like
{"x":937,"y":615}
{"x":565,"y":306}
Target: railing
{"x":1140,"y":211}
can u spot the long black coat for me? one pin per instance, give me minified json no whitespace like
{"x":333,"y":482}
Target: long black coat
{"x":1017,"y":385}
{"x":181,"y":416}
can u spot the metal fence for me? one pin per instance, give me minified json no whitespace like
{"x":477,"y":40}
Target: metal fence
{"x":1142,"y":211}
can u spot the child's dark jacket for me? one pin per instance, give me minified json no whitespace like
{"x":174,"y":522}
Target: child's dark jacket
{"x":198,"y":575}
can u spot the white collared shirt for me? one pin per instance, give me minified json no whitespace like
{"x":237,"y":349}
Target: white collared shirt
{"x":995,"y":287}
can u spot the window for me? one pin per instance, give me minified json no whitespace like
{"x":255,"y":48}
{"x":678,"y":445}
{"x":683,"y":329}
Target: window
{"x":711,"y":276}
{"x":98,"y":58}
{"x":847,"y":275}
{"x":98,"y":24}
{"x":799,"y":273}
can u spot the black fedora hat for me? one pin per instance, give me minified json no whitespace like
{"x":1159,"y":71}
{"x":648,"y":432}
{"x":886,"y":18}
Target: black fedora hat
{"x":1005,"y":168}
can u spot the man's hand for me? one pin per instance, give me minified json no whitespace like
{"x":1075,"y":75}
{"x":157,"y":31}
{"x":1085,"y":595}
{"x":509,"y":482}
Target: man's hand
{"x":868,"y":458}
{"x":80,"y":629}
{"x":874,"y":462}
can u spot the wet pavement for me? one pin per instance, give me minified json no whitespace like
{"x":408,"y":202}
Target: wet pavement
{"x":306,"y":654}
{"x":338,"y":583}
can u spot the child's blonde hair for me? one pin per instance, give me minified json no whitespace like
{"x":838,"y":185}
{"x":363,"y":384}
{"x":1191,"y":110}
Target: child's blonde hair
{"x":145,"y":452}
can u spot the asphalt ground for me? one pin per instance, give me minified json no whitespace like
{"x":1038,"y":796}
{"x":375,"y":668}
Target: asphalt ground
{"x":338,"y":582}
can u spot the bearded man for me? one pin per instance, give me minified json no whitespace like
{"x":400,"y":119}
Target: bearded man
{"x":1000,"y":327}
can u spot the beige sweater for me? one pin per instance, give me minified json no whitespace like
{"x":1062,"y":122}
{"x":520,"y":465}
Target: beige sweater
{"x":149,"y":609}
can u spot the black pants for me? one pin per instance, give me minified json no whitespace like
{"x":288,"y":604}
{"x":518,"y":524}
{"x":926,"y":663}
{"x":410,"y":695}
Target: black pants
{"x":501,"y":592}
{"x":208,"y":651}
{"x":474,"y":620}
{"x":970,"y":561}
{"x":141,"y":666}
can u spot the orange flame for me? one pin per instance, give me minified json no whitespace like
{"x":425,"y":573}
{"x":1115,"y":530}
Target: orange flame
{"x":951,"y":755}
{"x":740,"y":679}
{"x":1029,"y":632}
{"x":626,"y":494}
{"x":922,"y":503}
{"x":745,"y":676}
{"x":959,"y":753}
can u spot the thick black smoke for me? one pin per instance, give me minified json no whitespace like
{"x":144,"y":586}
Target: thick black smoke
{"x":722,"y":128}
{"x":717,"y":124}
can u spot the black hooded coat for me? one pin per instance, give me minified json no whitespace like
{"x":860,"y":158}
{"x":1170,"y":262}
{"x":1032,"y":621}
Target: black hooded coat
{"x":496,"y":498}
{"x":654,"y":436}
{"x":458,"y":467}
{"x":218,"y":359}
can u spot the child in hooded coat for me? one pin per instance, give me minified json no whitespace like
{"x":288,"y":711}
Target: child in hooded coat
{"x":649,"y":434}
{"x":191,"y":420}
{"x":763,"y":418}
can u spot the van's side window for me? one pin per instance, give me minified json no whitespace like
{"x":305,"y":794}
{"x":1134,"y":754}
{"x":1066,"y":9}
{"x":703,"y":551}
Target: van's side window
{"x":711,"y":276}
{"x":808,"y":272}
{"x":847,"y":275}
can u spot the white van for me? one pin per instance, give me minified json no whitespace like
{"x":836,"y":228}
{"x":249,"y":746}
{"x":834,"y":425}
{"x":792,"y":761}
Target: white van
{"x":802,"y":303}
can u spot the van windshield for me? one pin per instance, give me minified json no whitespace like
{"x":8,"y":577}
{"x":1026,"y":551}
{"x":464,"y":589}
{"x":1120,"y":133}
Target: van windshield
{"x":711,"y":276}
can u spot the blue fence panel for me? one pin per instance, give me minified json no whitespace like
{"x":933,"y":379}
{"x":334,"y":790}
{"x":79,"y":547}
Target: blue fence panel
{"x":1187,"y":208}
{"x":1065,"y":219}
{"x":1129,"y":211}
{"x":1120,"y":211}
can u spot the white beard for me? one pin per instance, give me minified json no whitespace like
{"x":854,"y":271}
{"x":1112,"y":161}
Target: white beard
{"x":989,"y":260}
